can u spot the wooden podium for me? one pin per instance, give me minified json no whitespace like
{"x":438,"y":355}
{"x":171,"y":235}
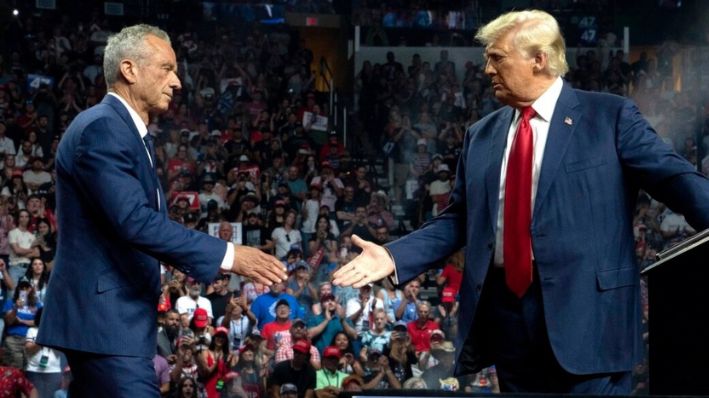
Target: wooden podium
{"x":678,"y":288}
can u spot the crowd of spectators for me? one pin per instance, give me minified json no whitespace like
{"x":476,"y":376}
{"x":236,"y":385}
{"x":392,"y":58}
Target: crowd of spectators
{"x":239,"y":157}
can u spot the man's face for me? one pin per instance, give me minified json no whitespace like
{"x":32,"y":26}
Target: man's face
{"x":423,"y":312}
{"x":382,"y":234}
{"x":156,"y":77}
{"x":172,"y":319}
{"x":225,"y":231}
{"x":33,"y":205}
{"x":511,"y":71}
{"x":292,"y":173}
{"x":380,"y":320}
{"x":282,"y":311}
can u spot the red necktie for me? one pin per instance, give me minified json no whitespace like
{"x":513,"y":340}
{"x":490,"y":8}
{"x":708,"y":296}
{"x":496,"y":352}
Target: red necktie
{"x":517,"y":241}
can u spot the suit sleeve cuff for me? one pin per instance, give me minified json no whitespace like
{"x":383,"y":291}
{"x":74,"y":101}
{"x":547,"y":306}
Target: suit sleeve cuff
{"x":228,"y":260}
{"x":394,"y":278}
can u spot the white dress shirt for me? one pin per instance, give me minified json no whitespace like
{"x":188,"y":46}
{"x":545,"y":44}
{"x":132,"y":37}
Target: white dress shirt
{"x":544,"y":108}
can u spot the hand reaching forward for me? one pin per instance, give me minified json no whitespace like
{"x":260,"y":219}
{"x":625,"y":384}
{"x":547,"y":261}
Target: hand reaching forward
{"x":261,"y":267}
{"x":373,"y":264}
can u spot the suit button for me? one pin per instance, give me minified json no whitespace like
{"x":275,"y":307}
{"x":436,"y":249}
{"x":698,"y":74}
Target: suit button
{"x":478,"y":288}
{"x":490,"y":244}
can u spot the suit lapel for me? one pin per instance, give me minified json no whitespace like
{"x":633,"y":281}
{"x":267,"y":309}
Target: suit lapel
{"x":498,"y":143}
{"x":152,"y":178}
{"x":561,"y":129}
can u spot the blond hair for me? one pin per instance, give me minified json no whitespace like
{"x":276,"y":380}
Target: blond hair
{"x":537,"y":32}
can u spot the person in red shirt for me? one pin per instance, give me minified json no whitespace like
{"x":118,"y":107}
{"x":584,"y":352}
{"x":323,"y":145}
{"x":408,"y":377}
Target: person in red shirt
{"x":278,"y":331}
{"x":452,"y":275}
{"x":420,"y":330}
{"x":13,"y":382}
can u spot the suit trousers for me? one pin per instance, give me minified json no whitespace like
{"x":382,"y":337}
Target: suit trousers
{"x":110,"y":376}
{"x":517,"y":342}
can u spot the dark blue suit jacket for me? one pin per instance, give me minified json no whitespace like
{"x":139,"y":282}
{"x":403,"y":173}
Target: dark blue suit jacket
{"x":103,"y":292}
{"x":599,"y":151}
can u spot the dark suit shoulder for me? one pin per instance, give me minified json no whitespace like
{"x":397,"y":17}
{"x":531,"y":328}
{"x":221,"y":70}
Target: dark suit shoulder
{"x":597,"y":99}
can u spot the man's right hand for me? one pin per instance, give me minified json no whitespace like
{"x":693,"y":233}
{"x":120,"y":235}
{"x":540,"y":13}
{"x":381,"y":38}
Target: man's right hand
{"x":373,"y":264}
{"x":257,"y":265}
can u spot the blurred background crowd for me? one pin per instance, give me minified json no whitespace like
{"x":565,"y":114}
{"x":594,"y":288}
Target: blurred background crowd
{"x":256,"y":150}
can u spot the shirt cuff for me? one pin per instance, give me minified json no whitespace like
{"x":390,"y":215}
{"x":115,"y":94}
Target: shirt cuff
{"x":228,"y":261}
{"x":394,"y":279}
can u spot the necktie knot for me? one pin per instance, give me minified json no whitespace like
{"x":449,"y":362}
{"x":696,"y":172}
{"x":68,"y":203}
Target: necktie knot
{"x":527,"y":113}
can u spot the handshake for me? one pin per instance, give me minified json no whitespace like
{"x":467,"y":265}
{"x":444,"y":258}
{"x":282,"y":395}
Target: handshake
{"x":252,"y":263}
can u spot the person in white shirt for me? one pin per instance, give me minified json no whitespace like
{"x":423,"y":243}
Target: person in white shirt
{"x":43,"y":368}
{"x":359,"y":309}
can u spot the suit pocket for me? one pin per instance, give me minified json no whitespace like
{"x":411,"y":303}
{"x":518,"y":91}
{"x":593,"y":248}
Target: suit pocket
{"x":109,"y":281}
{"x":619,"y":277}
{"x":584,"y":164}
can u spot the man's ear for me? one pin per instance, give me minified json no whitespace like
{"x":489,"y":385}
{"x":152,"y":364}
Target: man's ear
{"x":540,"y":62}
{"x":128,"y":70}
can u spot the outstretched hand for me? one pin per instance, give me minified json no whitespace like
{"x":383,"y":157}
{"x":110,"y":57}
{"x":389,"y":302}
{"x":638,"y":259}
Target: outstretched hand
{"x":373,"y":264}
{"x":257,"y":265}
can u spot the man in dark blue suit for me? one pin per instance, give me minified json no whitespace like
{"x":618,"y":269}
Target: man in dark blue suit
{"x":102,"y":298}
{"x":543,"y":202}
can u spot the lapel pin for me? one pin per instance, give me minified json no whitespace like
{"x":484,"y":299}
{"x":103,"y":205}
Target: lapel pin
{"x":568,"y":121}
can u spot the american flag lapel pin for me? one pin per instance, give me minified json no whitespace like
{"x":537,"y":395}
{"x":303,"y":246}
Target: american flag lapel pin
{"x":568,"y":121}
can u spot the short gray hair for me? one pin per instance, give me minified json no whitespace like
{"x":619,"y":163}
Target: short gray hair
{"x":128,"y":43}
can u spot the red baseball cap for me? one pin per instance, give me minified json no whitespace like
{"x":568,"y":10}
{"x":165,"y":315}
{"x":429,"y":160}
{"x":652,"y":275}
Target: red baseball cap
{"x":302,"y":346}
{"x":332,"y":351}
{"x":201,"y":319}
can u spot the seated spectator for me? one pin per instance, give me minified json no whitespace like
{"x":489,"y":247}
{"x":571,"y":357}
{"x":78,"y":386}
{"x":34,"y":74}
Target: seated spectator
{"x":437,"y":377}
{"x":36,"y":176}
{"x":251,"y":375}
{"x":13,"y":382}
{"x":185,"y":364}
{"x":19,"y":314}
{"x":331,"y":186}
{"x":420,"y":330}
{"x":278,"y":330}
{"x":323,"y":327}
{"x":301,"y":287}
{"x":377,"y":374}
{"x":46,"y":242}
{"x":377,"y":338}
{"x":168,"y":330}
{"x":43,"y":368}
{"x":218,"y":295}
{"x":360,"y":310}
{"x":287,"y":237}
{"x":391,"y":297}
{"x":407,"y":307}
{"x":329,"y":375}
{"x":239,"y":320}
{"x":264,"y":304}
{"x":298,"y":331}
{"x":378,"y":214}
{"x":21,"y":241}
{"x":350,"y":362}
{"x":38,"y":276}
{"x":187,"y":305}
{"x":400,"y":355}
{"x":297,"y":371}
{"x":214,"y":363}
{"x":201,"y":328}
{"x":187,"y":387}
